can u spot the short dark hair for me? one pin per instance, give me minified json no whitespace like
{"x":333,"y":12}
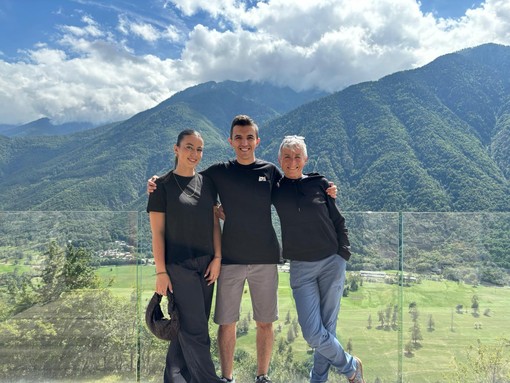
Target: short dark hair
{"x":243,"y":120}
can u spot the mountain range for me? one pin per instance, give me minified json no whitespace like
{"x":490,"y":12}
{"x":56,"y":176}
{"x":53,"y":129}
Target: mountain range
{"x":435,"y":138}
{"x":43,"y":127}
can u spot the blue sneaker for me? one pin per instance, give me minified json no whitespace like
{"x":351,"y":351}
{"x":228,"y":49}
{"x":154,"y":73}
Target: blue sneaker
{"x":358,"y":374}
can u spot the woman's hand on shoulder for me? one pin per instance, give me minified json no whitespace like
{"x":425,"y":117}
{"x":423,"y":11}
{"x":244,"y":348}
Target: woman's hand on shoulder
{"x":332,"y":190}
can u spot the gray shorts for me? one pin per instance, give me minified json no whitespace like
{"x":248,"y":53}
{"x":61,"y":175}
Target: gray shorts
{"x":263,"y":284}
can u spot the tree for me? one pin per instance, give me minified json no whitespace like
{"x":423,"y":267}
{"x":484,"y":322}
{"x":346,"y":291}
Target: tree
{"x":291,"y":336}
{"x":281,"y":346}
{"x":475,"y":305}
{"x":380,"y":313}
{"x":20,"y":290}
{"x":283,"y":366}
{"x":287,"y":317}
{"x":415,"y":328}
{"x":387,"y":317}
{"x":355,"y":282}
{"x":53,"y":282}
{"x":78,"y":272}
{"x":416,"y":334}
{"x":295,"y":326}
{"x":348,"y":347}
{"x":485,"y":363}
{"x":394,"y":318}
{"x":409,"y":348}
{"x":65,"y":271}
{"x":242,"y":327}
{"x":80,"y":333}
{"x":62,"y":271}
{"x":415,"y":314}
{"x":369,"y":321}
{"x":431,"y":324}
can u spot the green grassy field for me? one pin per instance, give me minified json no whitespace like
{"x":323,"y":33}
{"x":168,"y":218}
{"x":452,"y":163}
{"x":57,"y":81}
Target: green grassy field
{"x":451,"y":337}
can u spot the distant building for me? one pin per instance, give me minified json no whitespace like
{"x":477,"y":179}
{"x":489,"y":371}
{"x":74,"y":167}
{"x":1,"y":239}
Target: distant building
{"x":373,"y":275}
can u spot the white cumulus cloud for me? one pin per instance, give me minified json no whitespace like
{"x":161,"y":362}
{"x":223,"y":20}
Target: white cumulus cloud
{"x":92,"y":73}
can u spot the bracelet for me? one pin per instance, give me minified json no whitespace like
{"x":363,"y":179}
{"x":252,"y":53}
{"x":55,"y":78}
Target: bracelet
{"x":161,"y":272}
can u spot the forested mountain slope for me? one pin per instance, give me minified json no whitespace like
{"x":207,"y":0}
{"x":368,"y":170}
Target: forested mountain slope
{"x":106,"y":168}
{"x":434,"y":138}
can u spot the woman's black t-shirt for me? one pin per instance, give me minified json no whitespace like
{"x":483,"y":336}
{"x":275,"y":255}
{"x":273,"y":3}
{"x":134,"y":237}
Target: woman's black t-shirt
{"x":189,"y":221}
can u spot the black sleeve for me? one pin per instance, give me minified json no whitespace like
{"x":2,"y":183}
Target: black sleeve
{"x":210,"y":171}
{"x":211,"y":187}
{"x":277,"y":176}
{"x":208,"y":175}
{"x":344,"y":246}
{"x":157,"y":199}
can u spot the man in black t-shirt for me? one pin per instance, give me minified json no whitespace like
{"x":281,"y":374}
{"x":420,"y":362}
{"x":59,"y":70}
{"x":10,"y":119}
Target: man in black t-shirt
{"x":249,"y":246}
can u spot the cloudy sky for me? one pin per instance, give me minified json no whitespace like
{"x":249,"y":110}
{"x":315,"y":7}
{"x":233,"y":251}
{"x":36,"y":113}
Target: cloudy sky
{"x":105,"y":60}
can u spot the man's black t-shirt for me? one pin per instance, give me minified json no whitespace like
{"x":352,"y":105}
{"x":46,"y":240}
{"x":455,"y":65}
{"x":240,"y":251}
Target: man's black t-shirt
{"x":245,"y":193}
{"x":188,"y":204}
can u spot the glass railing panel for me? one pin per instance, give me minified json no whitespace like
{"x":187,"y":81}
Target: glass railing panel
{"x":68,"y":296}
{"x":369,"y":320}
{"x":368,"y":323}
{"x":152,"y":350}
{"x":446,"y":313}
{"x":456,"y":298}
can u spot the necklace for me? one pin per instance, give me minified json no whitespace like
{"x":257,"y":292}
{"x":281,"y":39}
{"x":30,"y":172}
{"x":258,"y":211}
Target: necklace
{"x":182,"y":190}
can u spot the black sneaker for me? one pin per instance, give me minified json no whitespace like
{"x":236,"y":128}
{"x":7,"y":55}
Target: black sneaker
{"x":227,"y":380}
{"x":262,"y":379}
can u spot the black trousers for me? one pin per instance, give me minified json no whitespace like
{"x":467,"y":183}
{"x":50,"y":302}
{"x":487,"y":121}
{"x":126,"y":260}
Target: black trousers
{"x":189,"y":358}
